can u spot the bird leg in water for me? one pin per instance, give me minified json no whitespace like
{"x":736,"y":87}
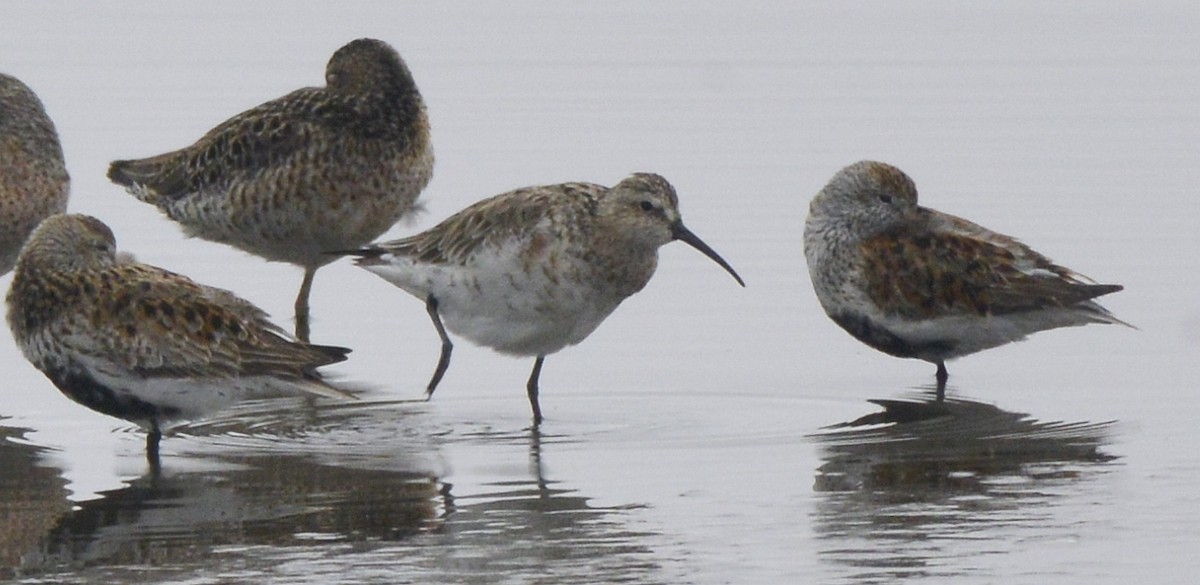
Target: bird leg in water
{"x":532,"y":389}
{"x":152,"y":440}
{"x":941,"y":376}
{"x":431,"y":306}
{"x":302,"y":328}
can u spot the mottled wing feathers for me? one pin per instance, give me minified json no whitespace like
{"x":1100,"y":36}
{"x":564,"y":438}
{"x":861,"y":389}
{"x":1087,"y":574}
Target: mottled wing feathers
{"x":493,"y":221}
{"x":257,"y":139}
{"x":165,"y":325}
{"x":917,"y":272}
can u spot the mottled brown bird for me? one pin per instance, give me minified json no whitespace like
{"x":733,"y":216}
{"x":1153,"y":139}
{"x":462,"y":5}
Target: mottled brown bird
{"x":143,"y":344}
{"x":318,"y":170}
{"x":917,"y":283}
{"x":33,"y":179}
{"x":534,"y":270}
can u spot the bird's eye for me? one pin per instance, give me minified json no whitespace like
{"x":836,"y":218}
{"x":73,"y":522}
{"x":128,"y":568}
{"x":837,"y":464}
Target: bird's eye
{"x":886,"y":199}
{"x":647,"y":206}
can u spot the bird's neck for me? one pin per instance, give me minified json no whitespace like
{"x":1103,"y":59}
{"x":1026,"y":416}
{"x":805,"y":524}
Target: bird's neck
{"x":622,"y":265}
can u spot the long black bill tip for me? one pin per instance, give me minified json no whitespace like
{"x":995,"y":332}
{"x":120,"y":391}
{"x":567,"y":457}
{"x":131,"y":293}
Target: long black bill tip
{"x":368,"y":251}
{"x":362,"y":256}
{"x":686,"y":236}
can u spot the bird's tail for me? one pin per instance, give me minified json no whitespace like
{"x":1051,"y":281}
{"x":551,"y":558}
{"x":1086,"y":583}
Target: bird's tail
{"x":148,"y":179}
{"x":1097,"y":313}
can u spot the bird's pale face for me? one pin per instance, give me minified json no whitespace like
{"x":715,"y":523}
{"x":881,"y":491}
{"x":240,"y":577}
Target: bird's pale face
{"x":647,"y":207}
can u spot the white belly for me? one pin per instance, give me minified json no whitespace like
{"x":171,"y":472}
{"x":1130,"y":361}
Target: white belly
{"x":497,"y":303}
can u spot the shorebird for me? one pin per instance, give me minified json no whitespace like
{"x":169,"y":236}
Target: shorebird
{"x":534,"y":270}
{"x":33,"y":179}
{"x":917,"y":283}
{"x":317,"y":170}
{"x":143,"y":344}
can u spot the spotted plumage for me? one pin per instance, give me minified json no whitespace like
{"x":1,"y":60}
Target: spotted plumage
{"x":534,"y":270}
{"x":914,"y":282}
{"x":33,"y":178}
{"x":143,"y":344}
{"x":318,"y":170}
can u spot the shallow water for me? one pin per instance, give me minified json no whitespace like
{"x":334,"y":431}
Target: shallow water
{"x":688,"y":439}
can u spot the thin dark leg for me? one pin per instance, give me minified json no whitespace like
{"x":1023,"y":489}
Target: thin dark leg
{"x":532,"y":389}
{"x":941,"y":376}
{"x":152,"y":440}
{"x":302,"y":329}
{"x":431,"y":306}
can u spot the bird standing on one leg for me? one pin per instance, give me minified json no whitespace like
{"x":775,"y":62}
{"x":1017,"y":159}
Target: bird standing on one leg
{"x":143,"y":344}
{"x":317,"y":170}
{"x":917,"y":283}
{"x":534,"y":270}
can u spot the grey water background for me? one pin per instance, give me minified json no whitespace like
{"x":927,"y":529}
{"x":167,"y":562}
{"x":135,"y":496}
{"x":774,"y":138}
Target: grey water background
{"x":679,"y":445}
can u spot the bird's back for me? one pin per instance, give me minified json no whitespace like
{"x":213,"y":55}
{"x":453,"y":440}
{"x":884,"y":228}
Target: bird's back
{"x":34,"y":183}
{"x":292,"y":179}
{"x":511,"y":272}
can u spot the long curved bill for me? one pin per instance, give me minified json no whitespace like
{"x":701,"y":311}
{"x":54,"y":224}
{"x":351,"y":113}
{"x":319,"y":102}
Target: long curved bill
{"x":686,"y":236}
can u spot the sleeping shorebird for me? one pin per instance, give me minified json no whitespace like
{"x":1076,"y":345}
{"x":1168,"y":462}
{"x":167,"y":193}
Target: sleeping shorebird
{"x":33,"y":179}
{"x":317,"y":170}
{"x":917,"y":283}
{"x":143,"y":344}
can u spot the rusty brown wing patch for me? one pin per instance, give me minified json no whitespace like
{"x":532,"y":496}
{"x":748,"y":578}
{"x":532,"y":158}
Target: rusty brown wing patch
{"x":166,"y":325}
{"x":920,"y":273}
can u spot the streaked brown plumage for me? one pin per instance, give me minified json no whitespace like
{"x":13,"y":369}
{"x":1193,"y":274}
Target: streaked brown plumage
{"x":534,"y":270}
{"x":920,"y":270}
{"x":140,"y":343}
{"x":33,"y":178}
{"x":318,"y":170}
{"x":914,"y":282}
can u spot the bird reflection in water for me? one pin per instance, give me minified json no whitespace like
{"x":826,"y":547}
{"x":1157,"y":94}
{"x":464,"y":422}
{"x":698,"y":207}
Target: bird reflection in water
{"x":179,"y":519}
{"x":33,"y":498}
{"x":896,"y":488}
{"x":923,"y":443}
{"x":247,"y":482}
{"x":265,"y":495}
{"x":536,"y":528}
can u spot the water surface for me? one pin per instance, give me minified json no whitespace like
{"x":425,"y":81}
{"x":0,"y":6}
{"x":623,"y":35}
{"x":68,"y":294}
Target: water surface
{"x":688,"y":439}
